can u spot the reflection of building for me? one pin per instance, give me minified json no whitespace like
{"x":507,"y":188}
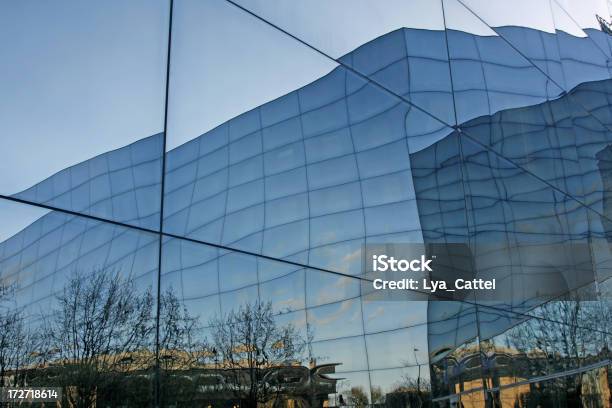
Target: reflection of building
{"x":509,"y":379}
{"x":275,"y":204}
{"x":290,"y":385}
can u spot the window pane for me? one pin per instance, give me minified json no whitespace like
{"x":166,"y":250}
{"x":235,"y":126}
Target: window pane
{"x":409,"y":345}
{"x":60,"y":271}
{"x":83,"y":98}
{"x":386,"y":43}
{"x":488,"y":74}
{"x":349,"y":353}
{"x":335,"y":320}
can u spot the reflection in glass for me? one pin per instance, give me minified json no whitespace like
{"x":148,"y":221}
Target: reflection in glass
{"x":78,"y":308}
{"x":83,"y":102}
{"x":584,"y":389}
{"x":489,"y":74}
{"x":562,"y":335}
{"x":322,"y":165}
{"x":277,"y":153}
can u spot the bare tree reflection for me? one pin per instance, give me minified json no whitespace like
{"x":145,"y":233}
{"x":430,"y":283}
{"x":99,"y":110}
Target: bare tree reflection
{"x":104,"y":337}
{"x":15,"y":340}
{"x":357,"y":397}
{"x":251,"y":349}
{"x":565,"y":335}
{"x":410,"y":392}
{"x":182,"y":352}
{"x":102,"y":327}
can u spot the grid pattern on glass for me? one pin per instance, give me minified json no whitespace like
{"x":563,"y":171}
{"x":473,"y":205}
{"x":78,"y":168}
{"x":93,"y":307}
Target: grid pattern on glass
{"x":348,"y":159}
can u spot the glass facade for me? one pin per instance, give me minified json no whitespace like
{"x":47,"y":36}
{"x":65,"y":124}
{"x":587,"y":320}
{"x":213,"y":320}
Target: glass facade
{"x":198,"y":238}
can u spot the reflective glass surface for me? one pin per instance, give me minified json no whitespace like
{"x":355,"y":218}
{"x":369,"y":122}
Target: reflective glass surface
{"x":276,"y":142}
{"x":78,"y":306}
{"x":327,"y":326}
{"x":83,"y":98}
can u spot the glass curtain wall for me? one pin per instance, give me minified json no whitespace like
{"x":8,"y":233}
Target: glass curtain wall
{"x":188,"y":186}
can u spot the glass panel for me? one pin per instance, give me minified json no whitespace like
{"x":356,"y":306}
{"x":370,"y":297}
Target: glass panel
{"x":403,"y":48}
{"x":564,"y":336}
{"x":533,"y":238}
{"x":87,"y":91}
{"x":341,"y":319}
{"x":228,"y":303}
{"x":408,"y":386}
{"x":583,"y":59}
{"x":349,"y":352}
{"x":488,"y":74}
{"x":199,"y":101}
{"x":407,"y":348}
{"x":306,"y":168}
{"x":529,"y":27}
{"x":78,"y":301}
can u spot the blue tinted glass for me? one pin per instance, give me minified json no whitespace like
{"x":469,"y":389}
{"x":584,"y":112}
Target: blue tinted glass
{"x":335,"y":320}
{"x":336,"y":227}
{"x":286,"y":293}
{"x":286,"y":239}
{"x":94,"y":155}
{"x":335,"y":199}
{"x":412,"y":342}
{"x":351,"y":351}
{"x":445,"y":122}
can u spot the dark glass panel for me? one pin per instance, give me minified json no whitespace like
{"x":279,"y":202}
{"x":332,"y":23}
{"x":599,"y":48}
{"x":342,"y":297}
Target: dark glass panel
{"x":544,"y":246}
